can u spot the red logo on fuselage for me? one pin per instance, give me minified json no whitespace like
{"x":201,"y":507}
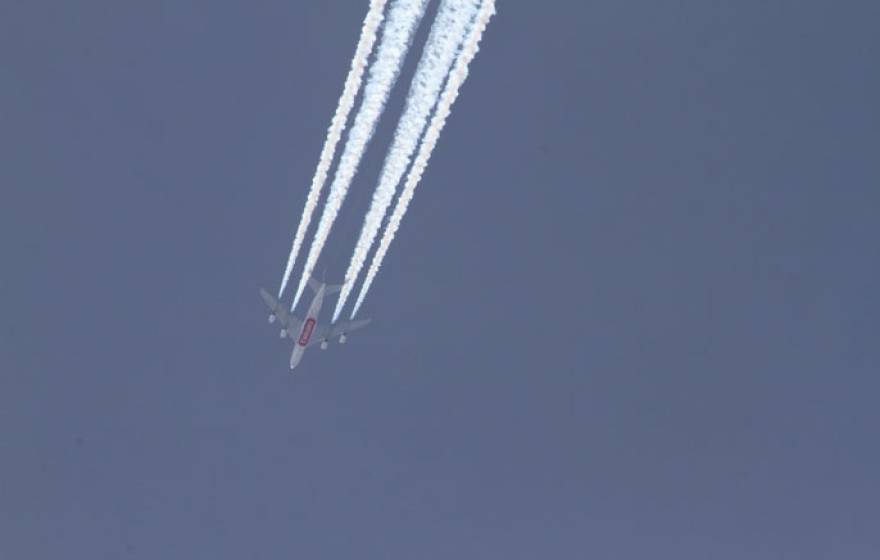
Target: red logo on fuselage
{"x":306,"y":333}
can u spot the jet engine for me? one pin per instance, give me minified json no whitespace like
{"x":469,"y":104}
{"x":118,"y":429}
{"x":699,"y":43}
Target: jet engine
{"x":342,"y":338}
{"x":323,"y":345}
{"x":283,"y":333}
{"x":271,"y":318}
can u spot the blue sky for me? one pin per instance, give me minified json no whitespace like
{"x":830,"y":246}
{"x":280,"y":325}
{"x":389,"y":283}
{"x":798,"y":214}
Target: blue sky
{"x":632,"y":309}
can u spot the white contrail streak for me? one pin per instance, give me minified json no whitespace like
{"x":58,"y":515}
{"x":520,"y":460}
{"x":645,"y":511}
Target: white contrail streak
{"x":337,"y":125}
{"x":447,"y":33}
{"x":450,"y":92}
{"x":403,"y":18}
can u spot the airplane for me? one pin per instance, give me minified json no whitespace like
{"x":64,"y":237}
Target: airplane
{"x":307,"y":333}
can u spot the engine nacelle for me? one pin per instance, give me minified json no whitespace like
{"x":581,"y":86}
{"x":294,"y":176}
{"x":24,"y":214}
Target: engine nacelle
{"x":271,"y":318}
{"x":323,"y":345}
{"x":342,"y":339}
{"x":283,"y":333}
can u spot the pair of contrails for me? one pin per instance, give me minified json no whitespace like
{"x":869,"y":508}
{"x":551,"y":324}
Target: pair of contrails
{"x":452,"y":43}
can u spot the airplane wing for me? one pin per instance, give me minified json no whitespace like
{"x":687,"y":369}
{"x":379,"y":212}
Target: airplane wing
{"x":345,"y":327}
{"x":319,"y":335}
{"x":323,"y":333}
{"x":290,"y":322}
{"x":294,"y":325}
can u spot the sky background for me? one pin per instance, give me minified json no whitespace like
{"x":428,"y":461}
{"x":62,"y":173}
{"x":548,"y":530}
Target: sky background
{"x":632,"y":311}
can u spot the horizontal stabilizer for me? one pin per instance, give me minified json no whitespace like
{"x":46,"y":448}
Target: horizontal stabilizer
{"x":314,"y":284}
{"x":333,"y":288}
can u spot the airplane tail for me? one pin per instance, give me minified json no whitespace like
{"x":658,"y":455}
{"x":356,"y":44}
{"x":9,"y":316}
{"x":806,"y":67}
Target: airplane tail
{"x":316,"y":284}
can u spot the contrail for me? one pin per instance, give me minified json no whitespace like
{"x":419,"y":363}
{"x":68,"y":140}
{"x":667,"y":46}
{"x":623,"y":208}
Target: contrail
{"x":337,"y":125}
{"x":447,"y":33}
{"x":450,"y":92}
{"x":401,"y":23}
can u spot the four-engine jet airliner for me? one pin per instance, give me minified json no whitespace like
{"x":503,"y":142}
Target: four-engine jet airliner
{"x":306,"y":333}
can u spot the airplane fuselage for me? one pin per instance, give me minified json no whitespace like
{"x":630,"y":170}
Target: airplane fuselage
{"x":309,"y":324}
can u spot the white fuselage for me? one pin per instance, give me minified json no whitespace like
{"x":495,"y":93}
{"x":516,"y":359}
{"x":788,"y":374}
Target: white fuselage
{"x":309,"y":324}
